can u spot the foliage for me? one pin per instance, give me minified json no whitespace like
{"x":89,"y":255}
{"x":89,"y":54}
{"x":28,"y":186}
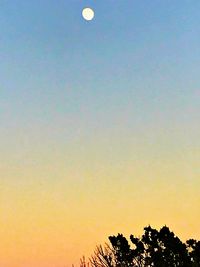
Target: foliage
{"x":153,"y":249}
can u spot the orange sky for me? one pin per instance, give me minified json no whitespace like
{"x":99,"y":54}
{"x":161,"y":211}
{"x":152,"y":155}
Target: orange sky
{"x":53,"y":215}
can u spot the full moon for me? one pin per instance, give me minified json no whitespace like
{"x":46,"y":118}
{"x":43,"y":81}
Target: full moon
{"x":88,"y":13}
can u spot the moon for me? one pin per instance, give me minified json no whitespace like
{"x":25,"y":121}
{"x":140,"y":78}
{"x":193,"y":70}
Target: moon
{"x":88,"y":13}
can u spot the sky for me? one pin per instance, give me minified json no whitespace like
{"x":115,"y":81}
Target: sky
{"x":99,"y":125}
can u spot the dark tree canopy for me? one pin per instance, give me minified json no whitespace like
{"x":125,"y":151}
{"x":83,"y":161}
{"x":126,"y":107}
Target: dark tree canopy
{"x":155,"y":248}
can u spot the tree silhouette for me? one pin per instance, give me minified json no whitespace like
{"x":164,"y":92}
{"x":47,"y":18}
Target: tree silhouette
{"x":103,"y":257}
{"x":164,"y":249}
{"x":153,"y":249}
{"x":193,"y":247}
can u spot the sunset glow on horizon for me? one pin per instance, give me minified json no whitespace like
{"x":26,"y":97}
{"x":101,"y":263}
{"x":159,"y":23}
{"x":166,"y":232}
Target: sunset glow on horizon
{"x":99,"y":125}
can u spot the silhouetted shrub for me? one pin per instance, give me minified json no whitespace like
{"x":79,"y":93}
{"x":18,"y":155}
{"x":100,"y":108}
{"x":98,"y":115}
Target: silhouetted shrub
{"x":153,"y":249}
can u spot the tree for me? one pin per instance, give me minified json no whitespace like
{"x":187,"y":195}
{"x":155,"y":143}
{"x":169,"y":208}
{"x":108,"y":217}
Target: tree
{"x":103,"y":257}
{"x":193,"y":247}
{"x":155,"y":248}
{"x":164,"y":249}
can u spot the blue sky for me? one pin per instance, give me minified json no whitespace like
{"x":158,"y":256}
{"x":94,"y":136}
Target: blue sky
{"x":136,"y":58}
{"x":147,"y":47}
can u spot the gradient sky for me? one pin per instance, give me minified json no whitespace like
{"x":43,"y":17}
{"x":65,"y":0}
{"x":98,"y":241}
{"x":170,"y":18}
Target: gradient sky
{"x":99,"y":125}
